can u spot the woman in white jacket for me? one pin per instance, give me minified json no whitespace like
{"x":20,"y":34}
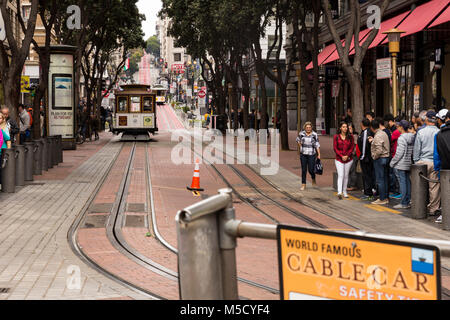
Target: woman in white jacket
{"x":402,"y":162}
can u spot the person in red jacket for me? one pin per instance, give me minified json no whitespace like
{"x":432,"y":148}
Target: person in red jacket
{"x":344,"y":145}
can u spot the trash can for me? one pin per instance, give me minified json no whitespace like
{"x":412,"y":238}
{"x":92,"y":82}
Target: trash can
{"x":49,"y":152}
{"x":37,"y":165}
{"x":8,"y":167}
{"x":20,"y":165}
{"x":29,"y":160}
{"x":44,"y":154}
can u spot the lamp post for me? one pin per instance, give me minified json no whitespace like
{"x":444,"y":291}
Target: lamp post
{"x":257,"y":100}
{"x":394,"y":49}
{"x":230,"y":88}
{"x":276,"y":98}
{"x":299,"y":95}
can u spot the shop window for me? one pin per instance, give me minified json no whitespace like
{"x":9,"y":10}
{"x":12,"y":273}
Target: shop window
{"x":177,"y":57}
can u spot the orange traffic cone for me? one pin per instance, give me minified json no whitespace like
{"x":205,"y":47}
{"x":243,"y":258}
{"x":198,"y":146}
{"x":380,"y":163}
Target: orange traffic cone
{"x":196,"y":178}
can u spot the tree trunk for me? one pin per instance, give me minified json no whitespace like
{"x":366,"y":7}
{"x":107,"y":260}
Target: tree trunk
{"x":357,"y":98}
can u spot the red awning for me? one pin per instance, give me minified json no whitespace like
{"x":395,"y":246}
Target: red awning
{"x":443,"y":18}
{"x":421,"y":17}
{"x":385,"y":26}
{"x":323,"y":55}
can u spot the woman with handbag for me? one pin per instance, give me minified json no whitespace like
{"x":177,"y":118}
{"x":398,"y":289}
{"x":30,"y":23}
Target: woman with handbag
{"x":343,"y":144}
{"x":309,"y":145}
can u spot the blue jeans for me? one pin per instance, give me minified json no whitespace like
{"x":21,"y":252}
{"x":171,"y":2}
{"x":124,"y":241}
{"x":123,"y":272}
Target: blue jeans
{"x":308,"y":164}
{"x":382,"y":176}
{"x":405,"y":185}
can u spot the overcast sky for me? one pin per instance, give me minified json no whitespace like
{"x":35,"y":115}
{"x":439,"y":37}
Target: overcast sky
{"x":150,"y":8}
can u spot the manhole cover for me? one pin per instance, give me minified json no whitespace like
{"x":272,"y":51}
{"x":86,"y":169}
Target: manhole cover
{"x":135,"y":221}
{"x":92,"y":222}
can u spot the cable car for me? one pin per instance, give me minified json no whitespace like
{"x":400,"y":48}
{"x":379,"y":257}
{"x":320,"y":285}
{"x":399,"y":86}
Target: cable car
{"x":134,"y":114}
{"x":160,"y":94}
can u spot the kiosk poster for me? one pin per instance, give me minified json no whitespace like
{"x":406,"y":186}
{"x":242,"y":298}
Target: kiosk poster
{"x":61,"y":113}
{"x":63,"y":92}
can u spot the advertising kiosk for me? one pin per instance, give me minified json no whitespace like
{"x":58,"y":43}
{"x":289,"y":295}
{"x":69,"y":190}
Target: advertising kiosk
{"x":61,"y":112}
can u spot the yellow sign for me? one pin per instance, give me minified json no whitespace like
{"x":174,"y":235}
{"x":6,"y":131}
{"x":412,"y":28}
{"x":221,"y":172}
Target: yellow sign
{"x":328,"y":265}
{"x":25,"y":84}
{"x":148,"y":122}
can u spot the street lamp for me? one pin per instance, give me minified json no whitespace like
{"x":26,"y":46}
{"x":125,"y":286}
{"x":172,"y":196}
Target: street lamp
{"x":257,"y":100}
{"x":275,"y":70}
{"x":230,"y":88}
{"x":299,"y":95}
{"x":394,"y":49}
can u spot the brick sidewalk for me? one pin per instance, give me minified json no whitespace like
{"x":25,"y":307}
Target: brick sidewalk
{"x":34,"y":223}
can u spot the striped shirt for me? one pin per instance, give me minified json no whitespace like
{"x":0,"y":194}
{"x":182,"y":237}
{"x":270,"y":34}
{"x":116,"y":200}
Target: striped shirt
{"x":309,"y":144}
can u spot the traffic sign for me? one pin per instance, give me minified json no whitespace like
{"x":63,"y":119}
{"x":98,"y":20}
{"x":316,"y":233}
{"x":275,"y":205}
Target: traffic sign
{"x":201,"y":94}
{"x":319,"y":264}
{"x":25,"y":84}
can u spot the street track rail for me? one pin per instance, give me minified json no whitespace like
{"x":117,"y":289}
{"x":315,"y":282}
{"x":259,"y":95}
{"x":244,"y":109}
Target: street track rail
{"x":71,"y":238}
{"x":115,"y":236}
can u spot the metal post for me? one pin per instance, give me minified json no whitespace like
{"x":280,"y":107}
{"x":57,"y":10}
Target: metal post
{"x":394,"y":83}
{"x":29,"y":160}
{"x":20,"y":166}
{"x":49,"y":152}
{"x":419,"y":189}
{"x":8,"y":167}
{"x":445,"y":198}
{"x":199,"y":256}
{"x":37,"y":163}
{"x":44,"y":154}
{"x":228,"y":246}
{"x":61,"y":150}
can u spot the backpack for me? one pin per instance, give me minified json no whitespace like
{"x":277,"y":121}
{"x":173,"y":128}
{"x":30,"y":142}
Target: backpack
{"x":31,"y":118}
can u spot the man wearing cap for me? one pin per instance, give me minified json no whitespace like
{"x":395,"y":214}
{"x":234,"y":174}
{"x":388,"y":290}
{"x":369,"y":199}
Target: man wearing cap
{"x":401,"y":162}
{"x":423,"y":154}
{"x":441,"y":118}
{"x":442,"y":150}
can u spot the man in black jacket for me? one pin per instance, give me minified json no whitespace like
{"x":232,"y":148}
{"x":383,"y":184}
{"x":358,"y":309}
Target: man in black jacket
{"x":12,"y":125}
{"x":366,"y":160}
{"x":443,"y":144}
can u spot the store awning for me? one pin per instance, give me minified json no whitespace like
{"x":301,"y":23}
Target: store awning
{"x":443,"y":18}
{"x":421,"y":17}
{"x":410,"y":22}
{"x":323,"y":55}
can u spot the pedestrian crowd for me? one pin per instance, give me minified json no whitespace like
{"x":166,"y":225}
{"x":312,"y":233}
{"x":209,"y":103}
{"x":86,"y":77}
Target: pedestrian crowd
{"x":386,"y":149}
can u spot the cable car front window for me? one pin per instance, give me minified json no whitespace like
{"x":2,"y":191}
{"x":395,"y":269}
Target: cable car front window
{"x":122,"y":104}
{"x":135,"y":104}
{"x":148,"y":105}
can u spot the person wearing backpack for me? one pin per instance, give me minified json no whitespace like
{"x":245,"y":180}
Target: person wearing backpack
{"x":11,"y":124}
{"x":308,"y":141}
{"x":25,"y":124}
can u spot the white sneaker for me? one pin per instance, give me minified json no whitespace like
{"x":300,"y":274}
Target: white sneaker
{"x":439,"y":219}
{"x":346,"y":196}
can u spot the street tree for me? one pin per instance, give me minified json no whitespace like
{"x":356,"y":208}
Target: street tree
{"x":15,"y":50}
{"x":352,"y":67}
{"x":153,"y":46}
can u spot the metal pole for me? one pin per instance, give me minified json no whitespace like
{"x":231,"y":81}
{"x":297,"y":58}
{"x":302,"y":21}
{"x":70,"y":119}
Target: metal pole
{"x":445,"y":198}
{"x":8,"y":167}
{"x":55,"y":150}
{"x":228,"y":246}
{"x":276,"y":100}
{"x":394,"y":83}
{"x":199,"y":255}
{"x":20,"y":166}
{"x":419,"y":189}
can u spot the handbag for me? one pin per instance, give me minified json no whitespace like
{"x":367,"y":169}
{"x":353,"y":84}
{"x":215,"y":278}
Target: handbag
{"x":318,"y":168}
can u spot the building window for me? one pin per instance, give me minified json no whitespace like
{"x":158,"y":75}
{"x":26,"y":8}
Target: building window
{"x":177,"y":57}
{"x":26,"y":9}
